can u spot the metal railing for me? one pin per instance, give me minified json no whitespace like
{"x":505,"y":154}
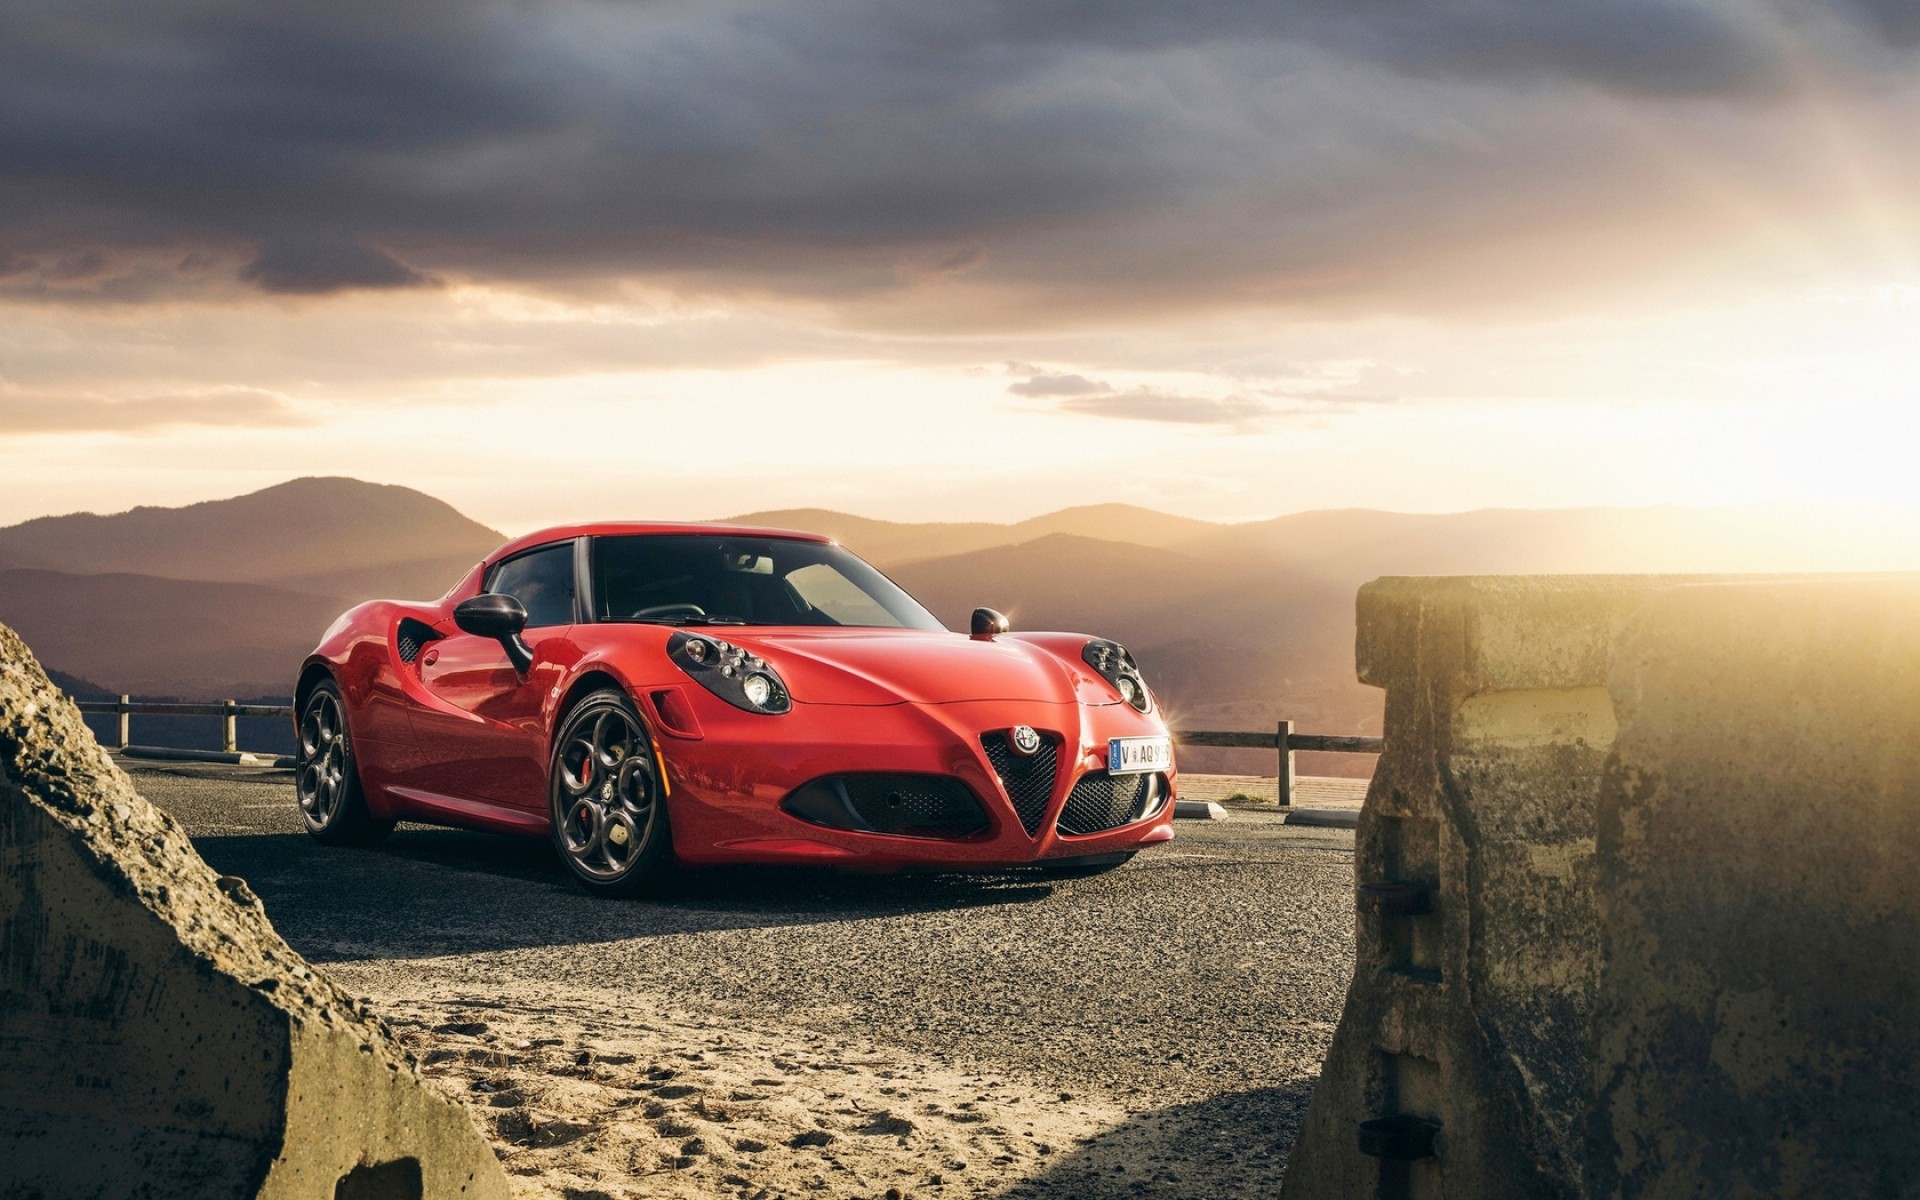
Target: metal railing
{"x":1283,"y":740}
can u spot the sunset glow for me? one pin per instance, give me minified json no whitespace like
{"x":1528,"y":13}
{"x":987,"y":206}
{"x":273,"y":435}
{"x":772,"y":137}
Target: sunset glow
{"x":693,"y":260}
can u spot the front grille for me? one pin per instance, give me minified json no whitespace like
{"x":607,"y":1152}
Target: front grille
{"x":1028,"y":779}
{"x":1100,"y":801}
{"x":926,"y":806}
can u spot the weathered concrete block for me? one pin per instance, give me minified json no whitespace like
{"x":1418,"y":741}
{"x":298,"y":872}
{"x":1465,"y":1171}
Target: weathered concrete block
{"x":1476,"y":951}
{"x":1757,"y":1024}
{"x":157,"y":1037}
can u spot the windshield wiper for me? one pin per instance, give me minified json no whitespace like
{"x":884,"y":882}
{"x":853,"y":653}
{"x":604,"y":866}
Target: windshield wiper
{"x":680,"y":620}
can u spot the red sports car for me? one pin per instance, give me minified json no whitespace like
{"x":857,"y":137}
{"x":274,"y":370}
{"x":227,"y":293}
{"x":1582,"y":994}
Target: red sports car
{"x":649,"y":694}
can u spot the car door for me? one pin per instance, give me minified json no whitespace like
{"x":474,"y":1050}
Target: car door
{"x":484,"y":738}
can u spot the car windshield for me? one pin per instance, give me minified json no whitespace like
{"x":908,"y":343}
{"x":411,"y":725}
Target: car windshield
{"x":701,"y":579}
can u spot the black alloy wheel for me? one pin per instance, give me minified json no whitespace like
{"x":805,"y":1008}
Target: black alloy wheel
{"x":326,"y":779}
{"x":609,"y":808}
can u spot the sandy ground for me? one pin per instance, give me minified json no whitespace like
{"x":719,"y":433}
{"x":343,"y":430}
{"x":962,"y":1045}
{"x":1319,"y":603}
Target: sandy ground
{"x":1150,"y":1034}
{"x":592,"y":1101}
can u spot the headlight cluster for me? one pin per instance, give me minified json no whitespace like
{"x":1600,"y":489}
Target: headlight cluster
{"x":1117,"y":667}
{"x":742,"y":679}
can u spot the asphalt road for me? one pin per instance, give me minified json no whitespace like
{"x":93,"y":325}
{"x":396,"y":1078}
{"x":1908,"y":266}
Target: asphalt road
{"x":1198,"y":986}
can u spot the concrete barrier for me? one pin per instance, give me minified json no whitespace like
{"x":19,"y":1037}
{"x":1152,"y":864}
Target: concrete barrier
{"x":157,"y":1037}
{"x":1460,"y":1062}
{"x":1757,"y":1025}
{"x":1635,"y":912}
{"x":1460,"y":1058}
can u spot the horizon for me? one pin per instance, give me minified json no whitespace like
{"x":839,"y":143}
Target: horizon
{"x":1229,"y":263}
{"x":1890,"y":515}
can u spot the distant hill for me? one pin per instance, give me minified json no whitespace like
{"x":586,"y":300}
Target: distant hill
{"x":224,"y":598}
{"x":1066,"y":582}
{"x":1116,"y":523}
{"x":883,"y":542}
{"x":888,"y":543}
{"x":78,"y":688}
{"x":302,"y":528}
{"x":418,"y":579}
{"x":1236,"y":625}
{"x":1362,"y":544}
{"x":143,"y":634}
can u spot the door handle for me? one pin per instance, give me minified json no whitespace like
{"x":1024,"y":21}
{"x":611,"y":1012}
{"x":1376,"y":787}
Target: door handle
{"x":430,"y":657}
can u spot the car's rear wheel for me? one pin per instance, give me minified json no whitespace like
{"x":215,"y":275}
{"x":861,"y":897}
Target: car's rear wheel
{"x":326,"y":778}
{"x":609,"y":808}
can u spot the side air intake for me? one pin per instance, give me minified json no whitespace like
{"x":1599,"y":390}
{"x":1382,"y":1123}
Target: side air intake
{"x":412,"y":636}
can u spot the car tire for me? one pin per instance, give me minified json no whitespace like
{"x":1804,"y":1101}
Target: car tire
{"x":326,"y":775}
{"x":1084,"y":868}
{"x":607,"y":800}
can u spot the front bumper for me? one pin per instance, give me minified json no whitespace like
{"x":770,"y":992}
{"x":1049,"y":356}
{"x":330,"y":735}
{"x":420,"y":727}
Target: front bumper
{"x":727,"y":786}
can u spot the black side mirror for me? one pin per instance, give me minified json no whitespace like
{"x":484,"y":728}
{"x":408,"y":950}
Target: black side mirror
{"x":501,"y":617}
{"x":987,"y":622}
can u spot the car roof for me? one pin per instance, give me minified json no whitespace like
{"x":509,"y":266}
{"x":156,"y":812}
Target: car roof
{"x":559,"y":533}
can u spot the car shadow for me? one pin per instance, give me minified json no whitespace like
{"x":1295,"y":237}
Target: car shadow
{"x":427,"y":892}
{"x":1232,"y":1144}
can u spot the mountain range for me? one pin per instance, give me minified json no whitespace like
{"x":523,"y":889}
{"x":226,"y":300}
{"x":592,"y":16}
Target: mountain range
{"x":1236,"y":625}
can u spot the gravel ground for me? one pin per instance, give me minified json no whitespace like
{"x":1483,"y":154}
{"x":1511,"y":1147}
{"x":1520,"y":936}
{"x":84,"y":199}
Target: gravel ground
{"x":1151,"y":1032}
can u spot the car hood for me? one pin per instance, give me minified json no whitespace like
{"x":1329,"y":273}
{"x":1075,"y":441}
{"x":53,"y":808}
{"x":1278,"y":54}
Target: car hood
{"x":889,"y":666}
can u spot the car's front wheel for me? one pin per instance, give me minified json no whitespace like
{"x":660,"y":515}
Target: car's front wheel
{"x":326,"y":779}
{"x":608,"y":803}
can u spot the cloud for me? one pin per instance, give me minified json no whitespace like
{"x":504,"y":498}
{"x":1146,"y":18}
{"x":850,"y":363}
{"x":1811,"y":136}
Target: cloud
{"x":1024,"y":160}
{"x":26,"y":412}
{"x":1148,"y":404}
{"x":1059,"y":385}
{"x":1240,"y":411}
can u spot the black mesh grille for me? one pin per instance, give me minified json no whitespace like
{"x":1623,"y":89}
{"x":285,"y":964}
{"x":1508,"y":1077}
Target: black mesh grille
{"x":1027,"y":778}
{"x":925,"y":805}
{"x":411,"y":636}
{"x":1101,"y":801}
{"x":929,"y":806}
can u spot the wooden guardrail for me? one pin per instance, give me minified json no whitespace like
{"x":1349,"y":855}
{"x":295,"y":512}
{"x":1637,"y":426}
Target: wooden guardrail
{"x":231,"y":710}
{"x":1283,"y":740}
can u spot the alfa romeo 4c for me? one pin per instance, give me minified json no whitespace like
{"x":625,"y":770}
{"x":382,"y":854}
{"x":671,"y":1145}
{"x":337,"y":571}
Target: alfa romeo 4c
{"x":648,"y":695}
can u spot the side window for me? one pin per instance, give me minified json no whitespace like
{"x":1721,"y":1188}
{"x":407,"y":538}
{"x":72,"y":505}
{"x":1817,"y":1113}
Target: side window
{"x":542,"y":580}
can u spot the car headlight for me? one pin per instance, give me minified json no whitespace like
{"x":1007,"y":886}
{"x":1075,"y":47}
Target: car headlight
{"x":742,"y":679}
{"x":1117,"y":667}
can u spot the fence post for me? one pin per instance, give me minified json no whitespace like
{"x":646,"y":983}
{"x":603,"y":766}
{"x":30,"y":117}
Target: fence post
{"x":125,"y":709}
{"x":232,"y":731}
{"x":1282,"y":741}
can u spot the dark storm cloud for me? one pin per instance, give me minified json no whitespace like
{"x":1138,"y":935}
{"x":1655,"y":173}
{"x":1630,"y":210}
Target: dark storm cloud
{"x":1658,"y":46}
{"x":831,"y":147}
{"x":1898,"y":21}
{"x":308,"y":267}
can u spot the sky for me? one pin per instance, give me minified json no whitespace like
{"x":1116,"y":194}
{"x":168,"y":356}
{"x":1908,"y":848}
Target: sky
{"x":979,"y":259}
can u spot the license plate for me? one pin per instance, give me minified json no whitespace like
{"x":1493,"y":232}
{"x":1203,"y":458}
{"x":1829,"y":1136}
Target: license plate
{"x":1135,"y":755}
